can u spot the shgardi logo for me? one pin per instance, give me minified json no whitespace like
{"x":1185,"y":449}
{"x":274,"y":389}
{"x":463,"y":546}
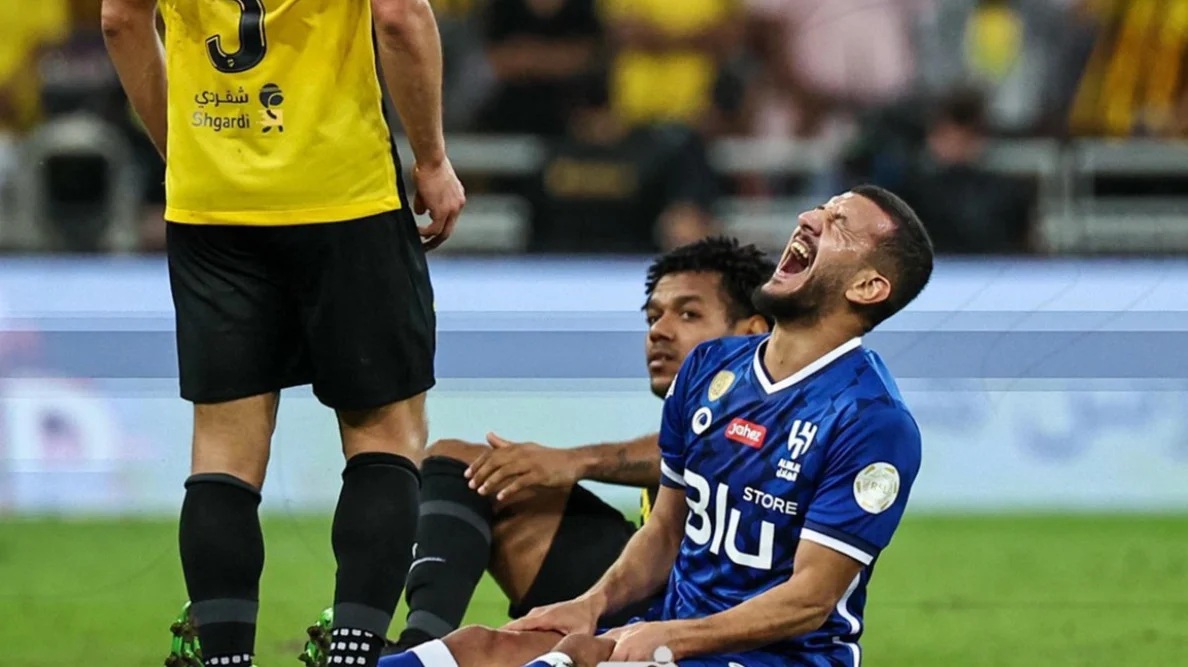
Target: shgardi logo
{"x":272,"y":116}
{"x":662,"y":657}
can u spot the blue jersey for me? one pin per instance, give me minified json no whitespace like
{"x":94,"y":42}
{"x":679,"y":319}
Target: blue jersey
{"x":827,"y":455}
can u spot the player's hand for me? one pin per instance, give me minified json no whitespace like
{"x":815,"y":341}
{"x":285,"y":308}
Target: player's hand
{"x":440,"y":193}
{"x":510,"y":470}
{"x":577,"y":616}
{"x":638,"y":642}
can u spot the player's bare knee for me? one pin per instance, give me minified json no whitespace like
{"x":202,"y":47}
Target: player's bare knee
{"x":234,"y":437}
{"x":251,"y":471}
{"x":458,"y":450}
{"x":396,"y":428}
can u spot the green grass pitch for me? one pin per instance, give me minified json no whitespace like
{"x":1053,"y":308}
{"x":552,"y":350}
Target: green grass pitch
{"x":950,"y":592}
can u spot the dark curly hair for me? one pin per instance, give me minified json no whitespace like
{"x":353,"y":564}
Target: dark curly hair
{"x":742,"y":269}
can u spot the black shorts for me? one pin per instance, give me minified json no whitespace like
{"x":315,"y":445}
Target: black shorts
{"x":590,"y":538}
{"x":344,"y":306}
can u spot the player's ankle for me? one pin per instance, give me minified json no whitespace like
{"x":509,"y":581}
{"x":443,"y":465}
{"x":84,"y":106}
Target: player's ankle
{"x":408,"y":639}
{"x":353,"y":646}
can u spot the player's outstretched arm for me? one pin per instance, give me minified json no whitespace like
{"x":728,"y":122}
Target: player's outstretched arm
{"x":646,"y":561}
{"x":800,"y":605}
{"x":640,"y":571}
{"x":633,"y":462}
{"x":410,"y":56}
{"x":511,"y":469}
{"x":130,"y":33}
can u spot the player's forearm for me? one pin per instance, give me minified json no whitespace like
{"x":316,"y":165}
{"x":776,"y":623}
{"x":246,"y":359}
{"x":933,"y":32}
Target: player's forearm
{"x":631,"y":463}
{"x":784,"y":612}
{"x":130,"y":33}
{"x":642,"y":568}
{"x":410,"y":55}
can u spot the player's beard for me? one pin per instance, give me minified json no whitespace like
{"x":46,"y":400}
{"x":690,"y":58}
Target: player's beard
{"x":804,"y":307}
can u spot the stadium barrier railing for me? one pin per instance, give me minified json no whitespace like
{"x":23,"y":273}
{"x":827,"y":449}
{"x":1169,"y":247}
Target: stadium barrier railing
{"x":38,"y":220}
{"x":1070,"y":215}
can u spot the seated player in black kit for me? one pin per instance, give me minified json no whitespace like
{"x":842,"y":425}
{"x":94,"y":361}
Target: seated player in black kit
{"x":517,"y":509}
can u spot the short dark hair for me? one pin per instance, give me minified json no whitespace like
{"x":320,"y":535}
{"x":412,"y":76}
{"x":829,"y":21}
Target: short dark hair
{"x":742,"y":269}
{"x":905,"y":254}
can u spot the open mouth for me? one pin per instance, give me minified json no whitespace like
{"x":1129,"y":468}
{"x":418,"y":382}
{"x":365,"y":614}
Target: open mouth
{"x":798,"y":257}
{"x":657,"y":360}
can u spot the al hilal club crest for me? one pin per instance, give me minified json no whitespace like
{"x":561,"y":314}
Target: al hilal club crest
{"x":720,"y":385}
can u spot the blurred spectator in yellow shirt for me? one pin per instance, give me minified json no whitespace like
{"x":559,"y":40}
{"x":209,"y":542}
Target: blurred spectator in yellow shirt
{"x":668,"y":54}
{"x":1136,"y":79}
{"x":25,"y":29}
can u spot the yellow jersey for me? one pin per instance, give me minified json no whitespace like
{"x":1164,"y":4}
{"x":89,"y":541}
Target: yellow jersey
{"x":648,"y":87}
{"x":28,"y":27}
{"x":275,"y":113}
{"x":1137,"y":77}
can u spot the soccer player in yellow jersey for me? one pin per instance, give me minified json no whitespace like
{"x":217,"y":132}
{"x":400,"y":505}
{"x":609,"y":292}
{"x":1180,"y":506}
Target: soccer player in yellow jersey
{"x":294,"y":259}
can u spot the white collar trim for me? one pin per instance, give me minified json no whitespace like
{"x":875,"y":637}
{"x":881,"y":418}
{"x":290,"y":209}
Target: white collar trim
{"x":770,"y":387}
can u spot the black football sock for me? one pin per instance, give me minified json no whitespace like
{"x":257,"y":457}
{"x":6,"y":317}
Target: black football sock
{"x":222,"y":554}
{"x":453,"y":550}
{"x":372,"y":535}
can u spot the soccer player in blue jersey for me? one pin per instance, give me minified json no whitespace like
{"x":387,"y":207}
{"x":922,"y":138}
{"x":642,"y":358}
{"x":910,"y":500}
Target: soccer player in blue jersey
{"x":518,"y":511}
{"x":787,"y":462}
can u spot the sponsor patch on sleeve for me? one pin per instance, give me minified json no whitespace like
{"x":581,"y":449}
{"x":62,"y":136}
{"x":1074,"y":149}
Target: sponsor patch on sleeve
{"x":876,"y":487}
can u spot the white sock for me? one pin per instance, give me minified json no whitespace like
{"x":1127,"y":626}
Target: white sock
{"x":352,"y":647}
{"x":435,"y":654}
{"x":240,"y":660}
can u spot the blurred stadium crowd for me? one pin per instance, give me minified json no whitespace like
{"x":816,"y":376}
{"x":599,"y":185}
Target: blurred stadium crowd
{"x":629,"y":126}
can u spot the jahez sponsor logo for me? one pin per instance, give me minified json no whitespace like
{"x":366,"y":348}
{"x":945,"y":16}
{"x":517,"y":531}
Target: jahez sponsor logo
{"x":746,"y":433}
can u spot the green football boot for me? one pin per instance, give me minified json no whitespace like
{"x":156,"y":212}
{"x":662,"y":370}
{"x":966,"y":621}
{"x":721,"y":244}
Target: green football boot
{"x":184,"y":650}
{"x":317,"y":648}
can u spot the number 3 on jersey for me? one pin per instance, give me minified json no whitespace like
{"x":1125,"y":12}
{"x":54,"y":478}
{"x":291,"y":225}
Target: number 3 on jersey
{"x":252,"y":43}
{"x":708,"y":528}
